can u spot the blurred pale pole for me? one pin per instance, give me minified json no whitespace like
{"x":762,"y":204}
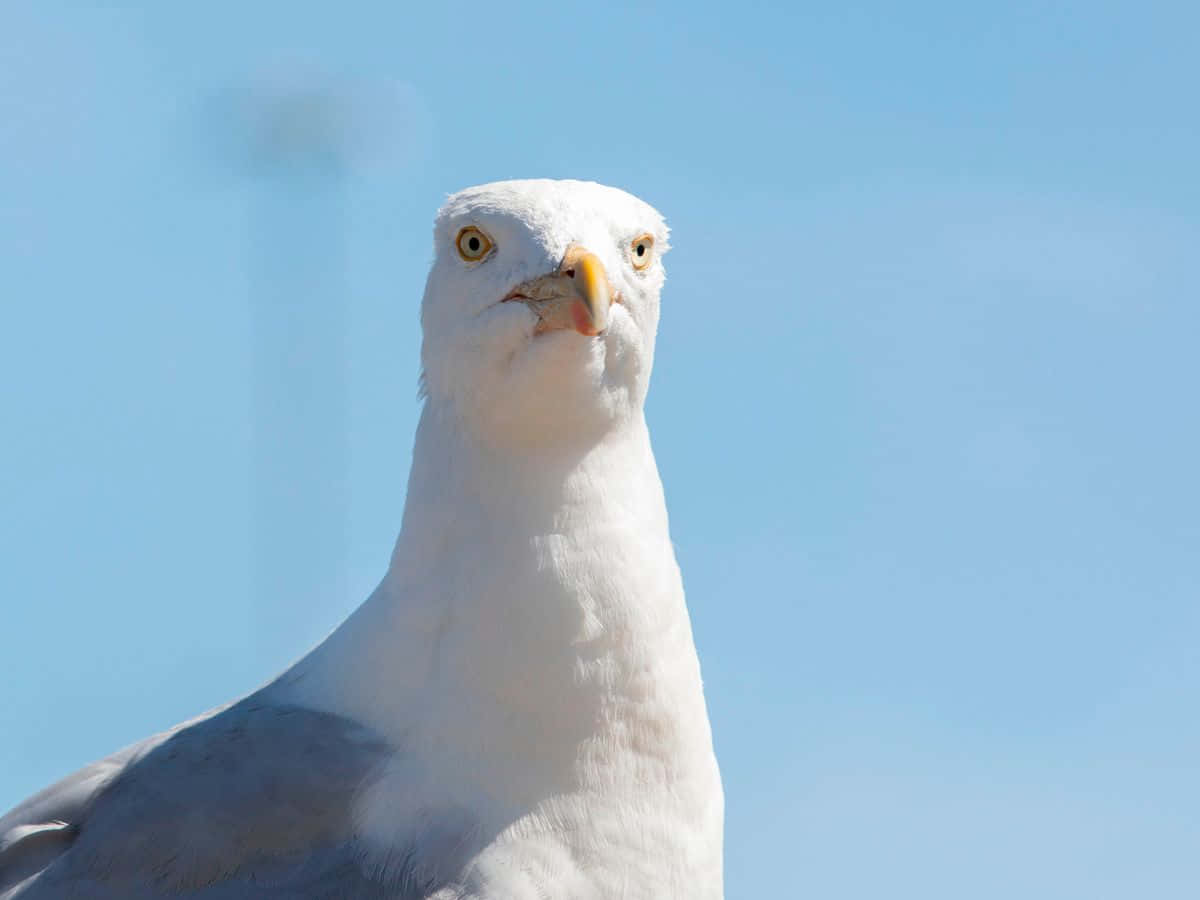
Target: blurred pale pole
{"x":299,"y":137}
{"x":298,"y":142}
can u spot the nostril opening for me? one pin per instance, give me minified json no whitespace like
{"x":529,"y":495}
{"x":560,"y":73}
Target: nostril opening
{"x":570,"y":273}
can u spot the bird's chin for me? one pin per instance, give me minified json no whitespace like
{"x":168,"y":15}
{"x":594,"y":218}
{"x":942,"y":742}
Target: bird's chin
{"x":561,"y":387}
{"x":560,"y":358}
{"x":516,"y":385}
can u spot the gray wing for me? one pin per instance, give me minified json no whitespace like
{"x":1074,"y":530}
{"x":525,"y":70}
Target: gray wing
{"x":252,"y":800}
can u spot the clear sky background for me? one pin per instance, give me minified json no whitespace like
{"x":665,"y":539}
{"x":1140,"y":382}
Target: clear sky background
{"x":925,"y":402}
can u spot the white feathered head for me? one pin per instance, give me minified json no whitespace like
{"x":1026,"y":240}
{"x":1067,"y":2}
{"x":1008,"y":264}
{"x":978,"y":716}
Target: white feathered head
{"x":541,"y":309}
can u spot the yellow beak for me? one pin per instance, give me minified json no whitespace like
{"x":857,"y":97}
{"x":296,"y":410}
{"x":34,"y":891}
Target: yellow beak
{"x":577,"y":296}
{"x":589,"y":314}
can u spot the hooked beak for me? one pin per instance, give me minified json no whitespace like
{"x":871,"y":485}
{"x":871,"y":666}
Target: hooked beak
{"x":577,"y":296}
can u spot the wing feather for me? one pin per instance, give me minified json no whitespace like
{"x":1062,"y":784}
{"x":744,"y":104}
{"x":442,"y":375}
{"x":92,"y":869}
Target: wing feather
{"x":255,"y":798}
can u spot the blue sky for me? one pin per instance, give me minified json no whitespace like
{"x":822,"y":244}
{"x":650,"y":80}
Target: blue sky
{"x":924,"y":404}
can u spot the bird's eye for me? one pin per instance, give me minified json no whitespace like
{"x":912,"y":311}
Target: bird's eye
{"x":641,"y":251}
{"x":473,"y":245}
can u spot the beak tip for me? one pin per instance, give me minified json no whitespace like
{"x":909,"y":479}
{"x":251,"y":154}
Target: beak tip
{"x":586,"y":321}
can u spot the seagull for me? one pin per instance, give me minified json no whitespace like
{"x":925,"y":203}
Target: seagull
{"x":516,"y":711}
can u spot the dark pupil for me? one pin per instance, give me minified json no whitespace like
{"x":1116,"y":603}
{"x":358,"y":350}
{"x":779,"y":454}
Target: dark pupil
{"x":473,"y":243}
{"x":641,"y":250}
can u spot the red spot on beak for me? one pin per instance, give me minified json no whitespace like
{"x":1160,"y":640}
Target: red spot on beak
{"x":582,"y":319}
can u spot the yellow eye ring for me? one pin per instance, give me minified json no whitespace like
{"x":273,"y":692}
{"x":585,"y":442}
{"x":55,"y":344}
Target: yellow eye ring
{"x":641,"y":251}
{"x":472,"y":244}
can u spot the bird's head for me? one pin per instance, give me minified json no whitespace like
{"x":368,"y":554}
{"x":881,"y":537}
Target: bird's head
{"x":541,"y":309}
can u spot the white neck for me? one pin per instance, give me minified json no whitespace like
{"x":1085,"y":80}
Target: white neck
{"x":529,"y":654}
{"x":531,"y":594}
